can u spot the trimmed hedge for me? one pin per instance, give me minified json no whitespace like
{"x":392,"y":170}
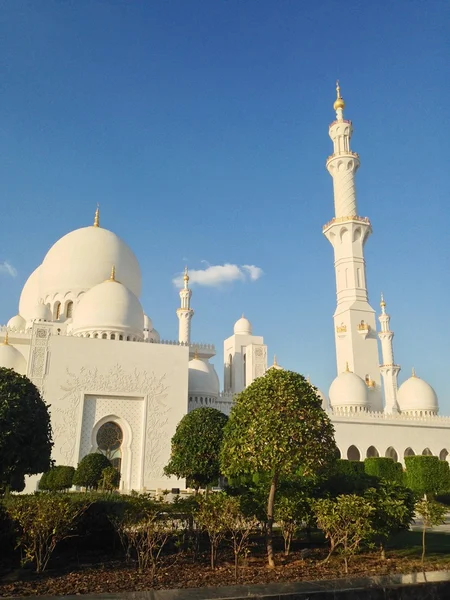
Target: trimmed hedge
{"x":57,"y":479}
{"x":385,"y":468}
{"x":427,"y":474}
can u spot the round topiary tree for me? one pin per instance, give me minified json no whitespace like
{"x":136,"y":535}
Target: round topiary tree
{"x":89,"y":472}
{"x":57,"y":479}
{"x":196,"y":446}
{"x":25,"y":430}
{"x":277,"y":426}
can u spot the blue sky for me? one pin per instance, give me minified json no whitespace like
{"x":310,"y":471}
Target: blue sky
{"x":201,"y":127}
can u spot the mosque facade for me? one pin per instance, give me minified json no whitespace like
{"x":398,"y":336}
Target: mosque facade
{"x":114,"y":386}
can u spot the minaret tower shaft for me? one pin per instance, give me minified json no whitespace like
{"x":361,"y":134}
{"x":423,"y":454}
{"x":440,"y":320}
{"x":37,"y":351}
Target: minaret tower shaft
{"x":185,"y":312}
{"x":389,"y":370}
{"x":354,"y":318}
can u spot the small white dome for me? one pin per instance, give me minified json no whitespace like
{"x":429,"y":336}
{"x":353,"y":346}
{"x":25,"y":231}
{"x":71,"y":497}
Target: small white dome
{"x":154,"y":336}
{"x":41,"y":312}
{"x":203,"y":380}
{"x":83,"y":258}
{"x":243,"y":327}
{"x":16,"y":323}
{"x":11,"y":358}
{"x":109,"y":306}
{"x":30,"y":295}
{"x":348,"y":390}
{"x":415,"y":395}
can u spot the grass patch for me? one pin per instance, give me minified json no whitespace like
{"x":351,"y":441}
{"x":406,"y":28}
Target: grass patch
{"x":409,"y":544}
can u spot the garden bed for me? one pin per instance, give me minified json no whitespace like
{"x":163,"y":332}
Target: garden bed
{"x":179,"y":571}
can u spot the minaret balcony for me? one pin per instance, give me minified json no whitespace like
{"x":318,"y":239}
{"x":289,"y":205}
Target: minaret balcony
{"x":364,"y":329}
{"x":343,"y":153}
{"x":353,"y":218}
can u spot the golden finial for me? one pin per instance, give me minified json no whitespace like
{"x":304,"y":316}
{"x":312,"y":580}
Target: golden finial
{"x":382,"y":303}
{"x":186,"y":274}
{"x":347,"y":370}
{"x":196,"y":354}
{"x":275,"y":364}
{"x":339,"y":102}
{"x":413,"y":372}
{"x":112,"y":277}
{"x":5,"y":341}
{"x":97,"y":216}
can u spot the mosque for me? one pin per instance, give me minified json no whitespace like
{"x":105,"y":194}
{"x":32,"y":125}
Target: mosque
{"x":114,"y":386}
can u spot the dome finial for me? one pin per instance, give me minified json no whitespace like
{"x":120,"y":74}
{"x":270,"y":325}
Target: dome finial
{"x":186,"y":277}
{"x":97,"y":216}
{"x":196,"y":354}
{"x":339,"y":102}
{"x":382,"y":303}
{"x":347,"y":370}
{"x":5,"y":341}
{"x":112,"y":277}
{"x":275,"y":360}
{"x":413,"y":372}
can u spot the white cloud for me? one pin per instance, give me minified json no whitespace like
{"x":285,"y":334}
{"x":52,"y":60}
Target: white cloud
{"x":253,"y":272}
{"x":6,"y":268}
{"x":217,"y":275}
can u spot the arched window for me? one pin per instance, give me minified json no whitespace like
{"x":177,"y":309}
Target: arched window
{"x":113,"y":336}
{"x":104,"y":336}
{"x":57,"y":310}
{"x":109,"y":442}
{"x":391,"y":453}
{"x":96,"y":335}
{"x":121,"y":337}
{"x":409,"y":452}
{"x":427,"y":452}
{"x":443,"y":454}
{"x":69,"y":309}
{"x":353,"y":453}
{"x":372,"y":452}
{"x":128,"y":338}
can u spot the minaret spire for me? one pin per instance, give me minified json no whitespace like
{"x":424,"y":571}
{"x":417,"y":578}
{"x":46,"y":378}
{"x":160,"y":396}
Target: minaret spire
{"x":389,"y":369}
{"x":354,"y":318}
{"x":185,"y":312}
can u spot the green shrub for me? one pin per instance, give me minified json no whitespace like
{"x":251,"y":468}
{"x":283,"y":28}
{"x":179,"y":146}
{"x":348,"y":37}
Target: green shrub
{"x":42,"y":521}
{"x":347,"y":477}
{"x":385,"y":468}
{"x":90,"y":469}
{"x":427,"y":474}
{"x":57,"y":479}
{"x":110,"y":480}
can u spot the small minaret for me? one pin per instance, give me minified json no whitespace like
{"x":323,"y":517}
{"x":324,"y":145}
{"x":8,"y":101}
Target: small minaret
{"x":354,"y":318}
{"x":388,"y":369}
{"x":185,"y":312}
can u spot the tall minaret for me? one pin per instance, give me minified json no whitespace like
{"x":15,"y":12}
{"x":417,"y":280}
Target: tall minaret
{"x":354,"y":318}
{"x":388,"y":369}
{"x":185,"y":312}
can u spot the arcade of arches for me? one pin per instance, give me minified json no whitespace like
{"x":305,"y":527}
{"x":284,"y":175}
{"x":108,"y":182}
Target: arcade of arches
{"x":354,"y":453}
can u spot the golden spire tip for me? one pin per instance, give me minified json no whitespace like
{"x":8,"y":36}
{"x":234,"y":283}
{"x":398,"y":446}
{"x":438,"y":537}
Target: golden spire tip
{"x":339,"y":102}
{"x":113,"y":273}
{"x":186,"y":274}
{"x":413,"y":372}
{"x":347,"y":370}
{"x":275,"y":360}
{"x":5,"y":341}
{"x":196,"y":354}
{"x":97,"y":216}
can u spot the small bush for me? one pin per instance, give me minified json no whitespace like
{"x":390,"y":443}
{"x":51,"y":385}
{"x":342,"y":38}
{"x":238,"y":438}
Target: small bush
{"x":110,"y":479}
{"x":427,"y":474}
{"x":57,"y":479}
{"x":43,"y":521}
{"x":90,"y":469}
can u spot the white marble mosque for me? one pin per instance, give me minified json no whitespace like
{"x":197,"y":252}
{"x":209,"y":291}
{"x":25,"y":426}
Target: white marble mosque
{"x":81,"y":335}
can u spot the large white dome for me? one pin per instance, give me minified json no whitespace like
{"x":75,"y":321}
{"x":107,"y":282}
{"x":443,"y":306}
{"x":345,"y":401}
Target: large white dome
{"x":348,"y":392}
{"x":11,"y":358}
{"x":30,"y":295}
{"x":203,"y":380}
{"x":416,"y":395}
{"x":109,"y":307}
{"x":83,"y":258}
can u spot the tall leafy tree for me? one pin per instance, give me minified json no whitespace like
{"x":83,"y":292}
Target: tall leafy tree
{"x":277,"y":427}
{"x":196,"y":446}
{"x":25,"y":431}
